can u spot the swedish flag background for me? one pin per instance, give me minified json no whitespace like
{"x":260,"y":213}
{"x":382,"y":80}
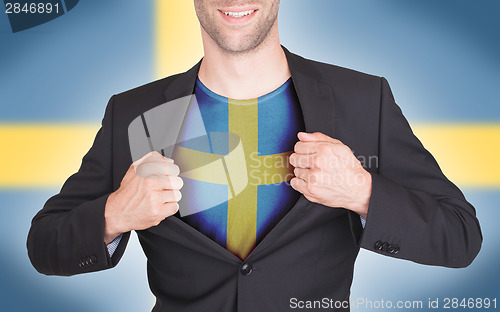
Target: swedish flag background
{"x":441,"y":58}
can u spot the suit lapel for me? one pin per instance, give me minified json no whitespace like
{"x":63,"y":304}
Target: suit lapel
{"x":183,"y":84}
{"x":317,"y":104}
{"x":316,"y":98}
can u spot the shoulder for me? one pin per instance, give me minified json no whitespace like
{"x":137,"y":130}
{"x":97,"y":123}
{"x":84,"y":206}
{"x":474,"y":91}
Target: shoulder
{"x":334,"y":75}
{"x":125,"y":106}
{"x":152,"y":90}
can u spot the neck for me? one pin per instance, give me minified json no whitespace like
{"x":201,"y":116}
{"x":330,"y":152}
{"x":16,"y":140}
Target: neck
{"x":245,"y":75}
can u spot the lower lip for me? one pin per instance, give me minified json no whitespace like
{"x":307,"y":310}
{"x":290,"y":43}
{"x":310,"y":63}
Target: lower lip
{"x":237,"y":20}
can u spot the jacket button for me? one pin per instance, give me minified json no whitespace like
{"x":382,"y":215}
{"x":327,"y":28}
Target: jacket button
{"x":396,"y":249}
{"x":246,"y":269}
{"x":378,"y":245}
{"x":93,"y":260}
{"x":390,"y":249}
{"x":384,"y":246}
{"x":82,"y":263}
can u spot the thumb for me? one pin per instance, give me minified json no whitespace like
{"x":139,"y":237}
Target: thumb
{"x":316,"y":137}
{"x":151,"y":154}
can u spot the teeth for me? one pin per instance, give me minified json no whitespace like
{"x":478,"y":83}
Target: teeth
{"x":239,"y":14}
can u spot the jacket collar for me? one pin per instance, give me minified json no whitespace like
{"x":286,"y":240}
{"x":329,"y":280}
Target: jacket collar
{"x":315,"y":96}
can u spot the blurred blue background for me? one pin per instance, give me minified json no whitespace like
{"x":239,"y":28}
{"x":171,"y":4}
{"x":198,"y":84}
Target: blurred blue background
{"x":441,"y":58}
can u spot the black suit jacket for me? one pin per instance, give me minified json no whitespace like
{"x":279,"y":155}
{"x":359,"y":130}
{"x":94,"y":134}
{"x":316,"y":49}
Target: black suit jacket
{"x":415,"y":212}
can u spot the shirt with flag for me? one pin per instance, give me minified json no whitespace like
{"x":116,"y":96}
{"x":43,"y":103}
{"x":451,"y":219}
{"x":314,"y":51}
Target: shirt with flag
{"x":236,"y":179}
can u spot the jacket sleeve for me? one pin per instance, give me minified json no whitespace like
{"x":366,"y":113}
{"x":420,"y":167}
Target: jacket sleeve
{"x":415,"y":212}
{"x":67,"y":236}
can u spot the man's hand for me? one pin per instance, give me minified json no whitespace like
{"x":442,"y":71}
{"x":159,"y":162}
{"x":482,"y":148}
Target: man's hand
{"x":148,"y":193}
{"x":328,"y":173}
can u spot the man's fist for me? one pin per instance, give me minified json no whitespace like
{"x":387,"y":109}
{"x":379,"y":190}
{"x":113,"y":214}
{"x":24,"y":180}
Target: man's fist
{"x":148,"y":193}
{"x":327,"y":172}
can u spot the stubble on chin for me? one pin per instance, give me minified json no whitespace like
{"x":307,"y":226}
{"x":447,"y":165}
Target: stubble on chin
{"x":247,"y":44}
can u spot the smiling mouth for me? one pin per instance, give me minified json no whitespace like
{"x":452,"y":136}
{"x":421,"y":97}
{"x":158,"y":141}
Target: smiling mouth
{"x":239,"y":14}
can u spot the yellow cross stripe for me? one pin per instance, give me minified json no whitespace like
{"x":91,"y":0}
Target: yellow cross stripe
{"x":213,"y":168}
{"x":208,"y":167}
{"x":242,"y":209}
{"x":177,"y":37}
{"x":468,"y":154}
{"x":198,"y":165}
{"x":45,"y":155}
{"x":42,"y":155}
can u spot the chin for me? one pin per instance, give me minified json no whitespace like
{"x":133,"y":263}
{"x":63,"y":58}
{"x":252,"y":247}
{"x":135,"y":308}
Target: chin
{"x":239,"y":45}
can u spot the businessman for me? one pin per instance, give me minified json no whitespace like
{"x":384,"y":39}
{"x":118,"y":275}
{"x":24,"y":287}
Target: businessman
{"x":297,"y":237}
